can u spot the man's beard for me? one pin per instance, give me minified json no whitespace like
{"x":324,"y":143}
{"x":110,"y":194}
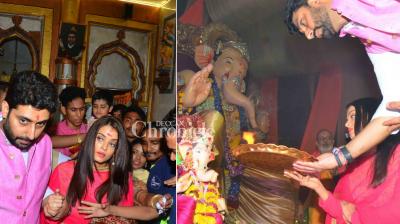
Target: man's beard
{"x":13,"y":140}
{"x":327,"y":30}
{"x":323,"y":22}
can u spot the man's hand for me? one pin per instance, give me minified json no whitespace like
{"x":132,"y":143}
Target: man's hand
{"x":394,"y":121}
{"x":54,"y":204}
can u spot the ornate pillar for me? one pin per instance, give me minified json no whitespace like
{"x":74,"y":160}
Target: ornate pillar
{"x":70,"y":11}
{"x":66,"y":68}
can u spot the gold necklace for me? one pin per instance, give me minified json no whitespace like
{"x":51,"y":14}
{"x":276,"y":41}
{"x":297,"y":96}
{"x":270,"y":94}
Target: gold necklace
{"x":102,"y":168}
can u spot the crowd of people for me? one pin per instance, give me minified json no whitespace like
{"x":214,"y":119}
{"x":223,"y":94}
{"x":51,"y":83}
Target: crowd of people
{"x":105,"y":169}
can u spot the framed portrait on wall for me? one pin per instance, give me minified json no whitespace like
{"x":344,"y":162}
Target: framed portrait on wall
{"x":166,"y":57}
{"x":71,"y":41}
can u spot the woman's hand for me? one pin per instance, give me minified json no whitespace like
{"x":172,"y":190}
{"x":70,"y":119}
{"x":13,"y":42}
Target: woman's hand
{"x":326,"y":161}
{"x":308,"y":181}
{"x":348,"y":210}
{"x":94,"y":210}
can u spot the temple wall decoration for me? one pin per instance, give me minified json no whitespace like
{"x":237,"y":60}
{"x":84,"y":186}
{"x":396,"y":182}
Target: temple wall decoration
{"x":25,"y":38}
{"x":120,"y":58}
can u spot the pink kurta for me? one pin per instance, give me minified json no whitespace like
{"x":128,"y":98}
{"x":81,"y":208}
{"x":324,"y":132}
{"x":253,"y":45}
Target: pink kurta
{"x":378,"y":23}
{"x":60,"y":179}
{"x":373,"y":205}
{"x":63,"y":129}
{"x":22,"y":187}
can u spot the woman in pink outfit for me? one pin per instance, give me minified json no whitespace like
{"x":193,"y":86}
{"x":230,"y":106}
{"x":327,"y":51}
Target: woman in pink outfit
{"x":369,"y":190}
{"x":100,"y":174}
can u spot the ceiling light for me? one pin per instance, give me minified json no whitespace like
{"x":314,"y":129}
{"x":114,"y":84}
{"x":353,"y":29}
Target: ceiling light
{"x":154,"y":3}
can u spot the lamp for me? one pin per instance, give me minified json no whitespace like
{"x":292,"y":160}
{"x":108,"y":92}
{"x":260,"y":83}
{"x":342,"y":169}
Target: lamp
{"x":153,"y":3}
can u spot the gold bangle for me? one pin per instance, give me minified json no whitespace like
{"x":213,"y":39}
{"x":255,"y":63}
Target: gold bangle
{"x":137,"y":196}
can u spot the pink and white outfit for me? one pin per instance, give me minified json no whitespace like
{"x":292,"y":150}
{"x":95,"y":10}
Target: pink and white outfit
{"x":24,"y":177}
{"x":377,"y":25}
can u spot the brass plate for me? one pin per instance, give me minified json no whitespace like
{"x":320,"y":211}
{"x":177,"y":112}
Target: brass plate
{"x":269,"y":157}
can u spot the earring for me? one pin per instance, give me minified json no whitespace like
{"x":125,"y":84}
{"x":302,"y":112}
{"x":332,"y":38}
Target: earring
{"x":113,"y":162}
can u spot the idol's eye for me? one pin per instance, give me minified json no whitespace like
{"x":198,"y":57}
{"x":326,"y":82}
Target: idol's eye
{"x":228,"y":61}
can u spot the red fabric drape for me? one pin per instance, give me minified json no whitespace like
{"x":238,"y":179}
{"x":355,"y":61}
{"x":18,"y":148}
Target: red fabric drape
{"x":325,"y":107}
{"x":269,"y":96}
{"x":194,"y":14}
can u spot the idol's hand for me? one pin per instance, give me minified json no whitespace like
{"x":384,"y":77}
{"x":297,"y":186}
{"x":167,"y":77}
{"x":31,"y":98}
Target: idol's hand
{"x":198,"y":88}
{"x":183,"y":183}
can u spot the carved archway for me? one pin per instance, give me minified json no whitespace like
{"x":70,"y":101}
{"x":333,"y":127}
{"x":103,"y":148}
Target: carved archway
{"x":16,"y":32}
{"x":121,"y":48}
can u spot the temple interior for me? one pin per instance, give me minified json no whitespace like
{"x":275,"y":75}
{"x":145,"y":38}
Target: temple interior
{"x":277,"y":93}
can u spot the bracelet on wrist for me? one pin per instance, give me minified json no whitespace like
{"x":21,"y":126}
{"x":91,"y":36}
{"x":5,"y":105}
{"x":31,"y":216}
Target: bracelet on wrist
{"x":346,"y":154}
{"x":336,"y":154}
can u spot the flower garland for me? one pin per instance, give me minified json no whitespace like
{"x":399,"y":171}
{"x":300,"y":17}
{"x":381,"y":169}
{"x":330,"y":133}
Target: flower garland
{"x":206,"y":197}
{"x":234,"y":167}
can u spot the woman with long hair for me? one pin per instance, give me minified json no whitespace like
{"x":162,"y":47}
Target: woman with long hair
{"x":100,"y":174}
{"x":369,"y":189}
